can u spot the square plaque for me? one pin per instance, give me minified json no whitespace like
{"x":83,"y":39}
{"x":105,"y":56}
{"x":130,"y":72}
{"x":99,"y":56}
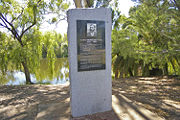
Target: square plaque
{"x":91,"y":45}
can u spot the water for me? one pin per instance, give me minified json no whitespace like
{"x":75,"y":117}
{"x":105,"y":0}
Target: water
{"x":43,"y":74}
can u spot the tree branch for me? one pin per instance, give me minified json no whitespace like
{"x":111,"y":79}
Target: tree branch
{"x":10,"y":24}
{"x":175,"y":4}
{"x":18,"y":15}
{"x":38,"y":2}
{"x":27,"y":29}
{"x":34,"y":22}
{"x":12,"y":29}
{"x":60,"y":20}
{"x":5,"y":25}
{"x":2,"y":25}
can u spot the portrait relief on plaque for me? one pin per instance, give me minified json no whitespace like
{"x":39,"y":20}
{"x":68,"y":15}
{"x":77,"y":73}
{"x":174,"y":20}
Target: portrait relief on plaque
{"x":91,"y":30}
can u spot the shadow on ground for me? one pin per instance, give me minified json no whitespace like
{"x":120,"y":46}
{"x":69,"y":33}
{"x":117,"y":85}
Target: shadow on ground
{"x":157,"y":94}
{"x":142,"y":98}
{"x":42,"y":102}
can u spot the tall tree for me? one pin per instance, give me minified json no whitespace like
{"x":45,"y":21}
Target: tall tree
{"x":157,"y":23}
{"x":19,"y":17}
{"x":148,"y":41}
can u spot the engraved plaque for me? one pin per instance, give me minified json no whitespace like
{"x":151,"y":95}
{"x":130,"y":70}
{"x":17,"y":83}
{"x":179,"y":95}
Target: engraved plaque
{"x":91,"y":45}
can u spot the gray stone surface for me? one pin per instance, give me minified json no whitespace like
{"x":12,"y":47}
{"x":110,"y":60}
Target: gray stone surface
{"x":90,"y":90}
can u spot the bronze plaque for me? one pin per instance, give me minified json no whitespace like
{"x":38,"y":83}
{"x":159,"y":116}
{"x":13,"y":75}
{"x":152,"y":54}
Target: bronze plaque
{"x":91,"y":45}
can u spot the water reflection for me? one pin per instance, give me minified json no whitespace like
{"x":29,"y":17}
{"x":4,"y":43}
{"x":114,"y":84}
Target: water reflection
{"x":43,"y":75}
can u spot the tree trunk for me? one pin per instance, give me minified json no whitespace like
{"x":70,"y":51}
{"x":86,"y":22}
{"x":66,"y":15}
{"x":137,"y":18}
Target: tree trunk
{"x":130,"y":72}
{"x":27,"y":74}
{"x":116,"y":74}
{"x":146,"y":70}
{"x":121,"y":74}
{"x":136,"y":70}
{"x":165,"y":69}
{"x":78,"y":3}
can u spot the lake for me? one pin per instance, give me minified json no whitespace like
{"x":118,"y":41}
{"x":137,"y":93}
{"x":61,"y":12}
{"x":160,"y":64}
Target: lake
{"x":43,"y":74}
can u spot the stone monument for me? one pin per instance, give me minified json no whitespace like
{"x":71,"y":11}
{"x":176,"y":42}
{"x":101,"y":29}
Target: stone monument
{"x":89,"y":47}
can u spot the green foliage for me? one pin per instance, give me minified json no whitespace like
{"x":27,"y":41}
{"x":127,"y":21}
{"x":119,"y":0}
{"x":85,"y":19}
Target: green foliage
{"x":33,"y":48}
{"x":58,"y":42}
{"x":3,"y":52}
{"x":37,"y":44}
{"x":22,"y":19}
{"x":44,"y":72}
{"x":147,"y":41}
{"x":102,"y":3}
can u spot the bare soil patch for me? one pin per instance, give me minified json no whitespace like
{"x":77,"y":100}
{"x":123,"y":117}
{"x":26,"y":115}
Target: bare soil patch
{"x":159,"y":95}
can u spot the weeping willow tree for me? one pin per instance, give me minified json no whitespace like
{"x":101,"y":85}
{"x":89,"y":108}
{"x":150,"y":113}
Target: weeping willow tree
{"x":44,"y":72}
{"x":21,"y":19}
{"x":4,"y":56}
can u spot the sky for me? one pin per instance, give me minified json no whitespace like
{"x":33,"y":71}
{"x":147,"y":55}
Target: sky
{"x":124,"y":6}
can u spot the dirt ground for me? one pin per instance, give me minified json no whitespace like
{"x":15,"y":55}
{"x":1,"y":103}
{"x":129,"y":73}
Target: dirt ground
{"x":161,"y":95}
{"x":141,"y":98}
